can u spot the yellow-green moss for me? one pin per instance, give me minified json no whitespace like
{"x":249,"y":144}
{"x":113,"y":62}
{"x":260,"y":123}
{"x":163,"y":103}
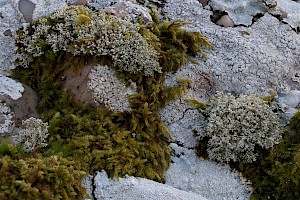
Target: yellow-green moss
{"x":40,"y":178}
{"x":197,"y":104}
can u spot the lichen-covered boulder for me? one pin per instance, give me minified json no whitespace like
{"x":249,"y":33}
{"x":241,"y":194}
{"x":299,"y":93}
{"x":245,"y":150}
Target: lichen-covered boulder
{"x":179,"y":116}
{"x":108,"y":89}
{"x":263,"y":58}
{"x":207,"y":178}
{"x":137,"y":189}
{"x":9,"y":18}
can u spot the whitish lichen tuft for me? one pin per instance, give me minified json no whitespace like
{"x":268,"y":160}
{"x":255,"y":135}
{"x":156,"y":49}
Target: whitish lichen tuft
{"x":236,"y":125}
{"x":33,"y":134}
{"x":6,"y":122}
{"x":79,"y":31}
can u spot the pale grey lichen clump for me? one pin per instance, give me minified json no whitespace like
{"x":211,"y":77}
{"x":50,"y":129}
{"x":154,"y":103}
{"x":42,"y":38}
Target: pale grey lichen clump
{"x":33,"y":133}
{"x":236,"y":125}
{"x":81,"y":32}
{"x":108,"y":89}
{"x":6,"y":119}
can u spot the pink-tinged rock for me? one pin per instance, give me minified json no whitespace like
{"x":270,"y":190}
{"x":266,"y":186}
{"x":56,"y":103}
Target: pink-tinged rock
{"x":225,"y":21}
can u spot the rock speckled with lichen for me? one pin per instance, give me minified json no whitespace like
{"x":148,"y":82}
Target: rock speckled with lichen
{"x":289,"y":11}
{"x":261,"y":58}
{"x":9,"y":21}
{"x":241,"y":12}
{"x":180,"y":116}
{"x":10,"y":87}
{"x":212,"y":180}
{"x":137,"y":188}
{"x":108,"y":89}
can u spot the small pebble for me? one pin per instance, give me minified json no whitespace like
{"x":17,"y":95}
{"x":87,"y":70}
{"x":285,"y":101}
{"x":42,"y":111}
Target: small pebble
{"x":225,"y":21}
{"x":7,"y":33}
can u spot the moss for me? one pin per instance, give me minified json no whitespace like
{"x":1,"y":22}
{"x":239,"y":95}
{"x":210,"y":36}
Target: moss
{"x":174,"y":43}
{"x":269,"y":98}
{"x":133,"y":143}
{"x":294,"y":126}
{"x":196,"y":104}
{"x":36,"y":177}
{"x":276,"y":174}
{"x":4,"y":149}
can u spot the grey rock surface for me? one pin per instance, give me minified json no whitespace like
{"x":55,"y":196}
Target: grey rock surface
{"x":9,"y":21}
{"x":291,"y":99}
{"x":241,"y":12}
{"x":127,"y":9}
{"x":262,"y":59}
{"x":46,"y":7}
{"x":211,"y":180}
{"x":292,"y":10}
{"x":98,"y":4}
{"x":179,"y":116}
{"x":137,"y":189}
{"x":26,"y":7}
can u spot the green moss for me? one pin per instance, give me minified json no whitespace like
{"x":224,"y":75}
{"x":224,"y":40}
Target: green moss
{"x":174,"y":43}
{"x":275,"y":174}
{"x":4,"y":149}
{"x":40,"y":178}
{"x":133,"y":143}
{"x":196,"y":104}
{"x":294,"y":126}
{"x":269,"y":98}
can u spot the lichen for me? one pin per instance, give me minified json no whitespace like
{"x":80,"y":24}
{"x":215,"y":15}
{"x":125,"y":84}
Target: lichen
{"x":79,"y":31}
{"x":32,"y":134}
{"x":236,"y":126}
{"x":6,"y":119}
{"x":108,"y":89}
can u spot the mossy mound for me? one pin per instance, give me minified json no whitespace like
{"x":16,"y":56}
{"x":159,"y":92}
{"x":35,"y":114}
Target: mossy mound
{"x":38,"y":177}
{"x":133,"y":143}
{"x":276,"y":173}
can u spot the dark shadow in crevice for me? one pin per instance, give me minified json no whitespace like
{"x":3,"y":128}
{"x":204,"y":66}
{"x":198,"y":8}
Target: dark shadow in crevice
{"x":217,"y":14}
{"x":256,"y":18}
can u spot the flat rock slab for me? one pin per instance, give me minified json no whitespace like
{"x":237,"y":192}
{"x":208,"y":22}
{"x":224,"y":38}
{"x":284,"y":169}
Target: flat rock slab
{"x":209,"y":179}
{"x":263,"y":58}
{"x":137,"y":189}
